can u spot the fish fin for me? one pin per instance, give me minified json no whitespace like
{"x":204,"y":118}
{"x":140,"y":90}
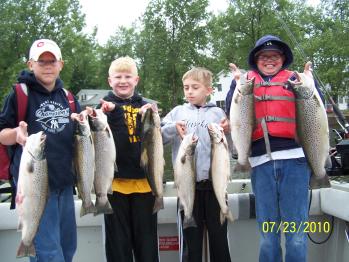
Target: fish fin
{"x":144,"y":158}
{"x":110,"y":190}
{"x":225,"y":144}
{"x":158,"y":204}
{"x":183,"y":159}
{"x":26,"y":251}
{"x":318,"y":102}
{"x":87,"y":209}
{"x":328,"y":163}
{"x":108,"y":131}
{"x":20,"y":225}
{"x":103,"y":209}
{"x":116,"y":169}
{"x":189,"y":222}
{"x":30,"y":166}
{"x":297,"y":138}
{"x":238,"y":98}
{"x":241,"y":168}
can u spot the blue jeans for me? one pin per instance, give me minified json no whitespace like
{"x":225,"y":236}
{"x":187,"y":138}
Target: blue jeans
{"x":55,"y":240}
{"x":281,"y":191}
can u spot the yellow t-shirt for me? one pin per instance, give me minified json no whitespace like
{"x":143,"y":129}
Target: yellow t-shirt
{"x":129,"y":186}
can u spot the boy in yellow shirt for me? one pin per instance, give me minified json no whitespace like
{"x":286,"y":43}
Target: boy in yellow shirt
{"x":132,"y":229}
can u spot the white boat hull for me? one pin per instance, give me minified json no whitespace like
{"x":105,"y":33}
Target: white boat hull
{"x":243,"y":233}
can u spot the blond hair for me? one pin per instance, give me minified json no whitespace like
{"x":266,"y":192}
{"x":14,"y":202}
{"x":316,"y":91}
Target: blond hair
{"x":199,"y":74}
{"x":123,"y":64}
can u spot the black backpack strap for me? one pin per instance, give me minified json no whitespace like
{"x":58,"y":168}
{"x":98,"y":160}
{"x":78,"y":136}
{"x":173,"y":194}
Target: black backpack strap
{"x":13,"y":193}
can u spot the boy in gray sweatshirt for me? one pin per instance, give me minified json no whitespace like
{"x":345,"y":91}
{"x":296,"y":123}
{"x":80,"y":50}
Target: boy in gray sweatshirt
{"x":194,"y":117}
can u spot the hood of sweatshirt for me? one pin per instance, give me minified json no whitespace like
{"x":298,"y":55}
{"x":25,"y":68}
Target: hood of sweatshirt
{"x":135,"y":99}
{"x":30,"y":80}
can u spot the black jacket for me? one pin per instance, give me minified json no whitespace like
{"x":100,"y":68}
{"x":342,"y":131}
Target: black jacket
{"x":125,"y":123}
{"x":48,"y":112}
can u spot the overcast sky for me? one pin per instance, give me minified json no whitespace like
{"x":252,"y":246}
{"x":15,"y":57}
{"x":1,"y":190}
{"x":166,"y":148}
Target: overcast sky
{"x":109,"y":14}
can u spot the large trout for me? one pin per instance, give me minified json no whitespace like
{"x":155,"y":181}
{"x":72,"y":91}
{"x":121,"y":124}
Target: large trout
{"x":32,"y":191}
{"x":242,"y":121}
{"x":185,"y":177}
{"x":152,"y":156}
{"x":312,"y":129}
{"x":105,"y":156}
{"x":220,"y":168}
{"x":84,"y":161}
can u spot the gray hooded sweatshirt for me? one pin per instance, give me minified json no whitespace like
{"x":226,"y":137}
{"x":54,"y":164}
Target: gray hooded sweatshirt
{"x":196,"y":120}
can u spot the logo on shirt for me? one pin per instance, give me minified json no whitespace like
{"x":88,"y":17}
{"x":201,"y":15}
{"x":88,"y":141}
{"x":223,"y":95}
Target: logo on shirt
{"x":196,"y":124}
{"x":130,"y":114}
{"x":52,"y":116}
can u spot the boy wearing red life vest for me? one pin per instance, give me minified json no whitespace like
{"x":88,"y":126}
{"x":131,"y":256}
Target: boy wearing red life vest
{"x":280,"y":173}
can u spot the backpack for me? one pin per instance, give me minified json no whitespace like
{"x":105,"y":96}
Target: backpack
{"x":5,"y":158}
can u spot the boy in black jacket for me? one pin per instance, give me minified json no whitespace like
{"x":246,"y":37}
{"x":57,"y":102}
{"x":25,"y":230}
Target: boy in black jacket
{"x":132,"y":229}
{"x":49,"y":111}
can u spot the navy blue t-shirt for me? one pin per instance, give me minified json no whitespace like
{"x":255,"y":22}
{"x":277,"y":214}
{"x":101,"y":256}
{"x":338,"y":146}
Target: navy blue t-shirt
{"x":48,"y":112}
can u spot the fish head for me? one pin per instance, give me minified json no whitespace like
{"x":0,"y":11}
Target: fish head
{"x":97,"y":119}
{"x":155,"y":115}
{"x":146,"y":121}
{"x":83,"y":127}
{"x":150,"y":118}
{"x":246,"y":88}
{"x":35,"y":145}
{"x":190,"y":141}
{"x":216,"y":133}
{"x":303,"y":86}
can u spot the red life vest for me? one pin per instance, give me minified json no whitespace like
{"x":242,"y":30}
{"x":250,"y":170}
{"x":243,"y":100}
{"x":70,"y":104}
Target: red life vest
{"x":275,"y":105}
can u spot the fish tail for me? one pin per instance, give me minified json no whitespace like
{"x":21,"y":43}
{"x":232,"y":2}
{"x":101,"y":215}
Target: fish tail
{"x":85,"y":209}
{"x":159,"y":204}
{"x":26,"y":251}
{"x":103,"y":208}
{"x":189,"y":222}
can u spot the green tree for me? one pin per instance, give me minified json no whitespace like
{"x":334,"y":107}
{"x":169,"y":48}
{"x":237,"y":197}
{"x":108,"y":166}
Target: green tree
{"x":24,"y":21}
{"x":312,"y":33}
{"x":173,"y":39}
{"x":331,"y":45}
{"x":234,"y":33}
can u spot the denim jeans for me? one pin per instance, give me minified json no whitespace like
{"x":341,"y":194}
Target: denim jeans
{"x":55,"y":240}
{"x":281,"y":191}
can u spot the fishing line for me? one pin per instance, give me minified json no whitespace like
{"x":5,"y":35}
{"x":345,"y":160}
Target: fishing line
{"x":331,"y":225}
